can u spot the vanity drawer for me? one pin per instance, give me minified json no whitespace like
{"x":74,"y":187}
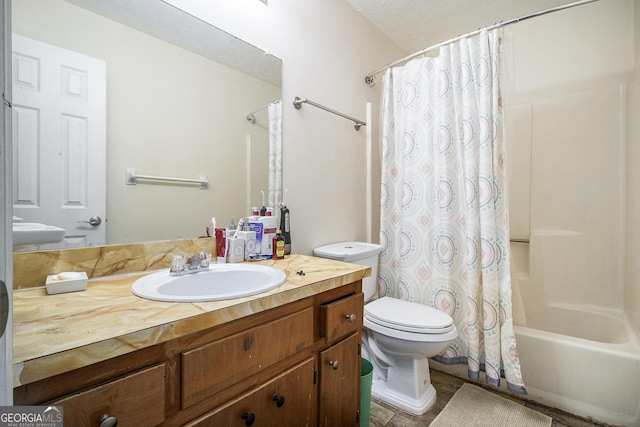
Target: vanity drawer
{"x":342,"y":317}
{"x":136,"y":399}
{"x":209,"y":369}
{"x":287,"y":400}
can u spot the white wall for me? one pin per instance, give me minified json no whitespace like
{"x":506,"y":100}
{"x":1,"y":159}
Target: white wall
{"x":327,"y":48}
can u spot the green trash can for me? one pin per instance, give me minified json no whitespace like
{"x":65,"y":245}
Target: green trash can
{"x":366,"y":378}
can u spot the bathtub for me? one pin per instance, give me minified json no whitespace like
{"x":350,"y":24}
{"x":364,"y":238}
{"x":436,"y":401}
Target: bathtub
{"x":582,"y":361}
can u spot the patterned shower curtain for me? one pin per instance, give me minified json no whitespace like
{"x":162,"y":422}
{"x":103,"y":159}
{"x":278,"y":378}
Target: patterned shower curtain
{"x":275,"y":153}
{"x":444,"y":224}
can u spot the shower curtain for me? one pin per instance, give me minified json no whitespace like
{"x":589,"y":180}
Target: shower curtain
{"x":444,"y":225}
{"x":275,"y":153}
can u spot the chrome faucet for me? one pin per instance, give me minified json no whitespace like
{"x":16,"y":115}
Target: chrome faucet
{"x":194,"y":264}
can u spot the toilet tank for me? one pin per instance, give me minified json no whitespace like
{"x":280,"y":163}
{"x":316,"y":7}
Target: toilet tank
{"x":356,"y":253}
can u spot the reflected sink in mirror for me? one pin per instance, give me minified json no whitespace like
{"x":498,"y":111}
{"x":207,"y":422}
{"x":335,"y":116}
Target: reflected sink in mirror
{"x":220,"y":282}
{"x":27,"y":234}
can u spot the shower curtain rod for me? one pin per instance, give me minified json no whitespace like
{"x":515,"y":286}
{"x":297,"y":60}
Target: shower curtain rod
{"x":370,"y":78}
{"x":252,"y":119}
{"x":297,"y":102}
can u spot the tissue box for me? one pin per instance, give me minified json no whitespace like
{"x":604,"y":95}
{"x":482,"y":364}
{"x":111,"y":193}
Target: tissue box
{"x":66,"y":282}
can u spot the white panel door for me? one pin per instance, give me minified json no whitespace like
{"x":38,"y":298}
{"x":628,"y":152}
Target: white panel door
{"x":59,"y":140}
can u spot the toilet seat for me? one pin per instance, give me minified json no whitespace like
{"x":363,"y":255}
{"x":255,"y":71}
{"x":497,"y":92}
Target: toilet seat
{"x":407,"y":316}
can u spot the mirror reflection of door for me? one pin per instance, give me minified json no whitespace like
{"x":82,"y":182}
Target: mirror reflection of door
{"x":59,"y":140}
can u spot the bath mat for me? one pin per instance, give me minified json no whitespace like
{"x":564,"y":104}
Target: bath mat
{"x":473,"y":406}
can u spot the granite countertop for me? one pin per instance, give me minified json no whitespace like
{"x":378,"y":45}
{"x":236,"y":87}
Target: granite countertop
{"x":53,"y":334}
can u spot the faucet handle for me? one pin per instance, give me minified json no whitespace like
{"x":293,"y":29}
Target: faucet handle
{"x":178,"y":263}
{"x":205,"y":259}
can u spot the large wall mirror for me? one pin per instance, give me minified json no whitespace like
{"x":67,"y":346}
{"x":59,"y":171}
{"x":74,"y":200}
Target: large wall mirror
{"x":177,"y":93}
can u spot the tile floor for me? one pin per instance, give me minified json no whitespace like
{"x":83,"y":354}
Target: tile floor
{"x":383,"y":415}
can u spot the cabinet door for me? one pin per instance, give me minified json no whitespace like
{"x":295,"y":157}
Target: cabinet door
{"x":287,"y":400}
{"x":340,"y":383}
{"x":134,"y":400}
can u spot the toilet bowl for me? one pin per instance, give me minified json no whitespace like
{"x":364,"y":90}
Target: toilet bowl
{"x":398,"y":336}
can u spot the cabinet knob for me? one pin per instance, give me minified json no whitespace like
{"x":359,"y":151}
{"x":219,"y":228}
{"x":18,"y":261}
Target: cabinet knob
{"x":351,"y":317}
{"x":333,"y":364}
{"x":249,"y":418}
{"x":108,"y":421}
{"x":279,"y":400}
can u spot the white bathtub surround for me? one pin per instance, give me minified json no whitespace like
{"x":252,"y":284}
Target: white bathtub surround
{"x":444,"y":226}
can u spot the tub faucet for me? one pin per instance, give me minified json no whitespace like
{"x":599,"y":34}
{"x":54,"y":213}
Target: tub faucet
{"x":194,"y":264}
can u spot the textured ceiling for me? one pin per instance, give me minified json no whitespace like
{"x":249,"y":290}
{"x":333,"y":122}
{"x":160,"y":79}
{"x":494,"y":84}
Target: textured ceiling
{"x":417,"y":24}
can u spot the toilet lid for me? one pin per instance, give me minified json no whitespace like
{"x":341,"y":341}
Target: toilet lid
{"x":407,"y":316}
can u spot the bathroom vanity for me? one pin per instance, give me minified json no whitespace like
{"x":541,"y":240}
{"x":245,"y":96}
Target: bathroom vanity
{"x":290,"y":356}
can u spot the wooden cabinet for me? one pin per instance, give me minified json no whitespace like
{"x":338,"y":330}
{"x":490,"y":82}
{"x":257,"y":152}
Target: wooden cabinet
{"x":133,"y":400}
{"x":211,"y":368}
{"x":340,"y":384}
{"x":339,"y":366}
{"x":287,"y":400}
{"x":342,"y":317}
{"x":294,"y":365}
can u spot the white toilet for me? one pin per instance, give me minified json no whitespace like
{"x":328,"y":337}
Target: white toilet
{"x":398,"y":336}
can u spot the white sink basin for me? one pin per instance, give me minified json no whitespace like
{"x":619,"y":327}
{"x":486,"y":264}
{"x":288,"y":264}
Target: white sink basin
{"x":32,"y":234}
{"x":222,"y":281}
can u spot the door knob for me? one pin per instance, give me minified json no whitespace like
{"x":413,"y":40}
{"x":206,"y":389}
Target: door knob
{"x":94,"y":220}
{"x":334,"y":364}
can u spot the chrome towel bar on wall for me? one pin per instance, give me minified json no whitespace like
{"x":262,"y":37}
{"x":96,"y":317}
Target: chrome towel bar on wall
{"x":131,"y":178}
{"x":297,"y":102}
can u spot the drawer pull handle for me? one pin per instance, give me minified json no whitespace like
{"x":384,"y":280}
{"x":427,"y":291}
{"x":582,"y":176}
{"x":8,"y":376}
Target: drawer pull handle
{"x":351,"y":317}
{"x":249,"y":418}
{"x":333,"y":364}
{"x":279,"y":400}
{"x":108,"y":421}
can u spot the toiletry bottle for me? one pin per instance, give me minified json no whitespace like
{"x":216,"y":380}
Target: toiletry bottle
{"x":221,"y":244}
{"x":270,"y":226}
{"x":278,"y":245}
{"x":263,"y":210}
{"x":249,"y":238}
{"x":284,"y":227}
